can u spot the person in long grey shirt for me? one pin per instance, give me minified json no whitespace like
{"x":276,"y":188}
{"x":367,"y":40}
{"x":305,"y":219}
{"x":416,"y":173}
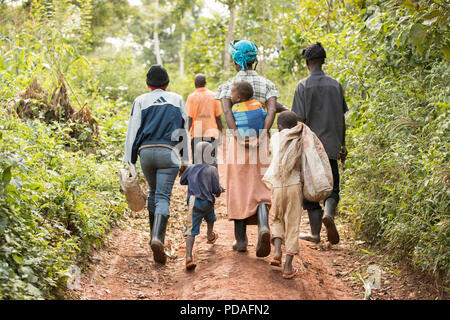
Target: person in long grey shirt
{"x":319,"y":103}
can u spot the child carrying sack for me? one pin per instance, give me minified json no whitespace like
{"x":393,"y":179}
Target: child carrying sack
{"x":129,"y":184}
{"x":316,"y":170}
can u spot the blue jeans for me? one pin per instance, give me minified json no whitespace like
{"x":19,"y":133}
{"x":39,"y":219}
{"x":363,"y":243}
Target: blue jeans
{"x":160,"y":166}
{"x":198,"y":209}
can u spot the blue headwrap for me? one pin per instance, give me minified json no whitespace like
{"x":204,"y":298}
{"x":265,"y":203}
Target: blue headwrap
{"x":243,"y":52}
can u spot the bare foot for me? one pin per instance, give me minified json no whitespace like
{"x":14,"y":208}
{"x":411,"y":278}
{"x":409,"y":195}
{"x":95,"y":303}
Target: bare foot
{"x":213,"y":238}
{"x":290,"y":275}
{"x":276,"y":260}
{"x":190,"y":265}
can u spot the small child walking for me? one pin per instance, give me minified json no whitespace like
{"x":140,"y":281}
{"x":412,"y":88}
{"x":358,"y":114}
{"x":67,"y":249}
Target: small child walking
{"x":202,"y":179}
{"x":283,"y":177}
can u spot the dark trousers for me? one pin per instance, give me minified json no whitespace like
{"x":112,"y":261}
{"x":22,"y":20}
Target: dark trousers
{"x":308,"y":205}
{"x":213,"y":155}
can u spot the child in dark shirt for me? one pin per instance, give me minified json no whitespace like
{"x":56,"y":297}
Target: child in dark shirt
{"x":203,"y":184}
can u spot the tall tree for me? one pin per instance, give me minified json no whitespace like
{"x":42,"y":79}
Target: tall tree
{"x":232,"y":8}
{"x":181,"y":20}
{"x":156,"y":48}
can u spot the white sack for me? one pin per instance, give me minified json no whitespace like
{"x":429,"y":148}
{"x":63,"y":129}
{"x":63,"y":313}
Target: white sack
{"x":129,"y":183}
{"x":316,"y":170}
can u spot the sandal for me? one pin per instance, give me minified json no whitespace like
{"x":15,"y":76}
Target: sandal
{"x":290,"y":275}
{"x":211,"y":241}
{"x":190,"y":265}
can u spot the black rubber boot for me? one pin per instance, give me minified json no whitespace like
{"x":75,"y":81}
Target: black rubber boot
{"x":151,"y":220}
{"x":315,"y":222}
{"x":328,"y":220}
{"x":158,"y":234}
{"x":263,"y":246}
{"x":240,"y":234}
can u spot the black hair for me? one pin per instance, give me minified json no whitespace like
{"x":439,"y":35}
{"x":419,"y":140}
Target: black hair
{"x":314,"y":51}
{"x":315,"y":62}
{"x":200,"y":80}
{"x":287,"y":119}
{"x":157,"y":76}
{"x":244,"y":89}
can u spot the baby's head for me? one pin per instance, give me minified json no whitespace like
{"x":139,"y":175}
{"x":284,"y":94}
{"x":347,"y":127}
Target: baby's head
{"x":241,"y":91}
{"x":286,"y":120}
{"x":204,"y":152}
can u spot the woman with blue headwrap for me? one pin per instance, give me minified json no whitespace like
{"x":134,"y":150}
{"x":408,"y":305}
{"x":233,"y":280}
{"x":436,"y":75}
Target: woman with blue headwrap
{"x":244,"y":53}
{"x":247,"y":196}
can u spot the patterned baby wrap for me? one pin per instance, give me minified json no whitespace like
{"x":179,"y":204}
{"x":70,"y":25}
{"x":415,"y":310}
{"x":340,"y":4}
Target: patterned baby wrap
{"x":249,"y":117}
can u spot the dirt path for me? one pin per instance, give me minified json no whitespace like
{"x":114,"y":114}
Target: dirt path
{"x":125,"y":269}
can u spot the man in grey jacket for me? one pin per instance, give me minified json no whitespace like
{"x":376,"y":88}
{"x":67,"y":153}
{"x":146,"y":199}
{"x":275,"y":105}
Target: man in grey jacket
{"x":157,"y":135}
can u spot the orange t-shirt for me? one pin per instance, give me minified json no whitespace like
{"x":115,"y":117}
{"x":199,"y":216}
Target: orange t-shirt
{"x":203,"y":108}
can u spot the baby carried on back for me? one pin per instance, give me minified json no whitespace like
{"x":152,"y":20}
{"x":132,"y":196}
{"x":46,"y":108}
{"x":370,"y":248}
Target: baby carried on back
{"x":248,"y":113}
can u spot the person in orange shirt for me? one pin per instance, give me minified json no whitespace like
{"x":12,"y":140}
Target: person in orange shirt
{"x":204,"y":116}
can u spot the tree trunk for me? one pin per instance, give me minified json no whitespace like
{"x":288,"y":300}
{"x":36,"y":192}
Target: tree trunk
{"x":228,"y":38}
{"x":157,"y":51}
{"x":183,"y":38}
{"x":262,"y":45}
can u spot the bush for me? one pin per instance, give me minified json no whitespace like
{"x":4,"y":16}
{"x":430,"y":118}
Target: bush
{"x":397,"y":179}
{"x":54,"y":204}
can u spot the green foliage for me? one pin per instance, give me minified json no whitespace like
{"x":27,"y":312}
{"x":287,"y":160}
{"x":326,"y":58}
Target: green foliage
{"x":54,"y":204}
{"x":108,"y":19}
{"x":396,"y":179}
{"x":396,"y":186}
{"x":209,"y":33}
{"x":57,"y":197}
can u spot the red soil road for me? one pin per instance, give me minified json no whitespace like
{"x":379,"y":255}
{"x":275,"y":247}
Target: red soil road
{"x":126,"y":271}
{"x":224,"y":274}
{"x":125,"y":268}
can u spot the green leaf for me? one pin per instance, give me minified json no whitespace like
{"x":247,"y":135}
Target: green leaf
{"x":446,"y":51}
{"x":409,"y":4}
{"x":34,"y":291}
{"x":28,"y":273}
{"x":3,"y":223}
{"x":17,"y":259}
{"x":6,"y":176}
{"x":417,"y":36}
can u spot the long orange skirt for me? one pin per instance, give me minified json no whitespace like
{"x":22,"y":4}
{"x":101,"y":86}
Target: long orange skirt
{"x":245,"y":168}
